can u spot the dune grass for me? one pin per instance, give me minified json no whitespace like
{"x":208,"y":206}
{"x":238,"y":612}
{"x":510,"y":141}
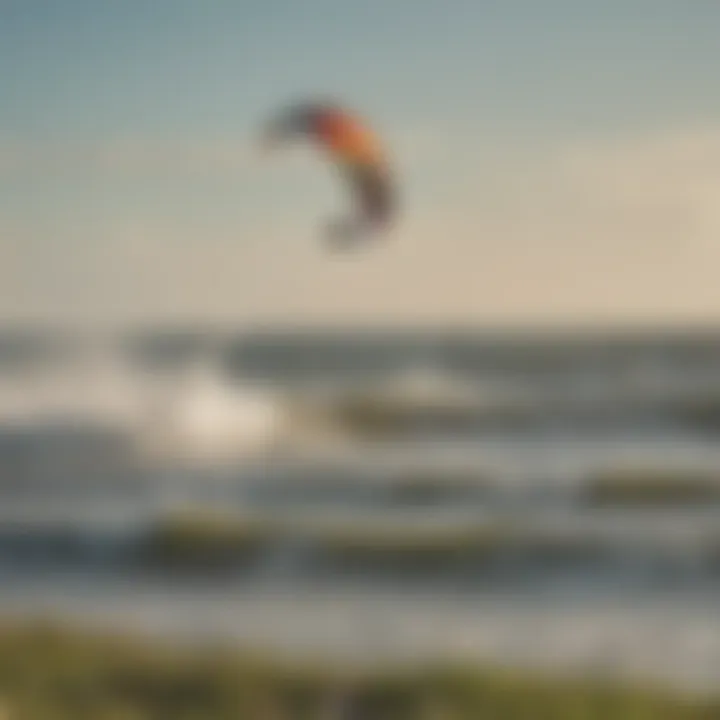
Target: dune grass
{"x":49,"y":673}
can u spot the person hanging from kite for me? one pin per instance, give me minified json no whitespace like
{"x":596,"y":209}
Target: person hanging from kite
{"x":356,"y":151}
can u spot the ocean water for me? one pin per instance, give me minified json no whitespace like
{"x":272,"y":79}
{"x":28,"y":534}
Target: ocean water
{"x":101,"y":440}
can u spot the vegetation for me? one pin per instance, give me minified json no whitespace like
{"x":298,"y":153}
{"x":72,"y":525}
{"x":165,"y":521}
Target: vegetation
{"x":51,"y":674}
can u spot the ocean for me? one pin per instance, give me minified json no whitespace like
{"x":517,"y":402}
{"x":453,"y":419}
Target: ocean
{"x":537,"y":499}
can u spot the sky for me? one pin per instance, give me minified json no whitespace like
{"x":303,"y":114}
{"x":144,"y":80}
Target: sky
{"x":559,"y":161}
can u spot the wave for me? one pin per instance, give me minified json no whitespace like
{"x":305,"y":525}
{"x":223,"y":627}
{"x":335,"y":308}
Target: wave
{"x":594,"y":549}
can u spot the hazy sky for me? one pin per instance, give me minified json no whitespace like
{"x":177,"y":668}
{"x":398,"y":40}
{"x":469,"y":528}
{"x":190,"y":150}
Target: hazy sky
{"x":560,"y":159}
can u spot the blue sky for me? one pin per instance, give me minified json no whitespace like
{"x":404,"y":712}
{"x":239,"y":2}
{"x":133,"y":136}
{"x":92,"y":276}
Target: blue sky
{"x":189,"y":66}
{"x":129,"y":185}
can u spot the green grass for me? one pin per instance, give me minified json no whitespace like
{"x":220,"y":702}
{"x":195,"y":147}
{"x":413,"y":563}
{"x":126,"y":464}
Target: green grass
{"x":52,"y":674}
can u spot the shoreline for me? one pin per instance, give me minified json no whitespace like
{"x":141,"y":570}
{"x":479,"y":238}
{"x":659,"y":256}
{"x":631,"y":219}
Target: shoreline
{"x":53,"y":671}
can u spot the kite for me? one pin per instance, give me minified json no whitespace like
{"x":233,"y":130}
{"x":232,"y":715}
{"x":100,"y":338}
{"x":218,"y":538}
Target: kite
{"x":355,"y":150}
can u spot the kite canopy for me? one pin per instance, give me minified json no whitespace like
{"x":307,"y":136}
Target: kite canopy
{"x":357,"y":153}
